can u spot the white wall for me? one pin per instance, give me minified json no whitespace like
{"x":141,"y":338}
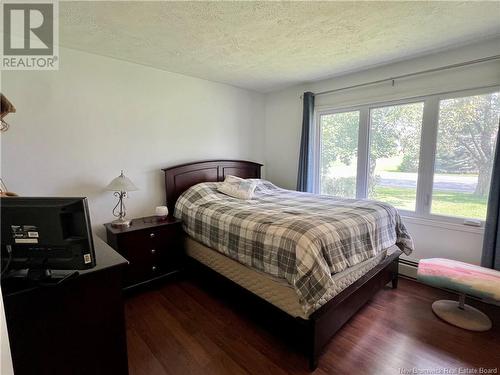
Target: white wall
{"x":284,"y":116}
{"x":77,"y":127}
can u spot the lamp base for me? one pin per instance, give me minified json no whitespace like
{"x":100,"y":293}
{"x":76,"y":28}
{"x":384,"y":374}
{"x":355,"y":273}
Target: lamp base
{"x":121,"y":223}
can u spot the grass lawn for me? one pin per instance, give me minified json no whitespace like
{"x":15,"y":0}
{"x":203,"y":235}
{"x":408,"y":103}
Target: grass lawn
{"x":443,"y":202}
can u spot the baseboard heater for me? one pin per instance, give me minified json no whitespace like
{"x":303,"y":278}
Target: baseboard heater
{"x":408,"y":268}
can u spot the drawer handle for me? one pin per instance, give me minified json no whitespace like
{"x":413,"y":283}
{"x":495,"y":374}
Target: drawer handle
{"x":153,"y":268}
{"x":151,"y":235}
{"x":153,"y":251}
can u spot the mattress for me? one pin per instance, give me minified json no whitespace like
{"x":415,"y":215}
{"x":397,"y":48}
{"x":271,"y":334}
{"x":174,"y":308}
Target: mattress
{"x":274,"y":290}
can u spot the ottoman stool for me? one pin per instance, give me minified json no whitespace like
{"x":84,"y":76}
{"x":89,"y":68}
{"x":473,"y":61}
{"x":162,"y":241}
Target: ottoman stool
{"x":463,"y":278}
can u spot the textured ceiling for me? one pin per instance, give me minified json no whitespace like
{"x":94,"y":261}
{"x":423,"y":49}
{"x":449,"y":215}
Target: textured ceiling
{"x":269,"y":45}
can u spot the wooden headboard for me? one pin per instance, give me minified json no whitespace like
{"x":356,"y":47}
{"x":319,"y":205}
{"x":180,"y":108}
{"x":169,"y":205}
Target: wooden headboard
{"x":179,"y":178}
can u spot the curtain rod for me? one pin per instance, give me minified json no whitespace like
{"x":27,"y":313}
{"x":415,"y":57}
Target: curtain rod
{"x":452,"y":66}
{"x":413,"y":98}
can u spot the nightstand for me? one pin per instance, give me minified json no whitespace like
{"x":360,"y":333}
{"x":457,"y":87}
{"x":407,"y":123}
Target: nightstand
{"x":154,"y":248}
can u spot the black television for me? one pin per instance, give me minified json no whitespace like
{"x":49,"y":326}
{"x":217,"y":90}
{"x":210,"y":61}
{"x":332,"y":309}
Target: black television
{"x":41,"y":234}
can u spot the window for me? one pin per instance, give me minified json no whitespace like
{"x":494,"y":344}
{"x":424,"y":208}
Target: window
{"x":338,"y":155}
{"x":430,"y":157}
{"x":467,"y":132}
{"x":394,"y":154}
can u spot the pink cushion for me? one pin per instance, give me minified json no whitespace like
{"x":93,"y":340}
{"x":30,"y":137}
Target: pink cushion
{"x":461,"y":277}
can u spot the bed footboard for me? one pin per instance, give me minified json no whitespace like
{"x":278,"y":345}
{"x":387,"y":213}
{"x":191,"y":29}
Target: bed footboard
{"x":326,"y":321}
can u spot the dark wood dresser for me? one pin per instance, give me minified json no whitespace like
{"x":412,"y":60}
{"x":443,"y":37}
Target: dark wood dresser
{"x":153,"y":247}
{"x":77,"y":327}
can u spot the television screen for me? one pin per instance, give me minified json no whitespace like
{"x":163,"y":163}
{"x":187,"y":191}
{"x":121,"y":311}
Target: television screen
{"x":46,"y":233}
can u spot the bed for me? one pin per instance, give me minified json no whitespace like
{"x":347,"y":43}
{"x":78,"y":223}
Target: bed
{"x":318,"y":314}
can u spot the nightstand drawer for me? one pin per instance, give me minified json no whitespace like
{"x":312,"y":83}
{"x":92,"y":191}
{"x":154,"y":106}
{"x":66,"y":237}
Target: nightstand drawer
{"x":166,"y":259}
{"x":168,"y":238}
{"x":140,"y":272}
{"x":140,"y":243}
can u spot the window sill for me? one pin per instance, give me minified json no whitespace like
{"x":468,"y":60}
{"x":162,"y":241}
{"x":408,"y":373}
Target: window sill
{"x":432,"y":222}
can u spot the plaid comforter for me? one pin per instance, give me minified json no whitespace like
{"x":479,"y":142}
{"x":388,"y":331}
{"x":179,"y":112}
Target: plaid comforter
{"x":300,"y":237}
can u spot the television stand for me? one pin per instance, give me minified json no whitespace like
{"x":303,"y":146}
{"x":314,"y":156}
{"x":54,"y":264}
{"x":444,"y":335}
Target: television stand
{"x":75,"y":327}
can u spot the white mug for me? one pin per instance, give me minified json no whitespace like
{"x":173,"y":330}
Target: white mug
{"x":161,"y":211}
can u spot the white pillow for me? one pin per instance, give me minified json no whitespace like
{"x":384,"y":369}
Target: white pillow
{"x":233,"y":179}
{"x":237,"y":187}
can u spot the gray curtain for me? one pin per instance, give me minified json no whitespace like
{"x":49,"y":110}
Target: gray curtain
{"x":304,"y":177}
{"x":491,"y":242}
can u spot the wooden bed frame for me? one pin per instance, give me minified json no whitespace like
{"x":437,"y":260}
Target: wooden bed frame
{"x":328,"y":319}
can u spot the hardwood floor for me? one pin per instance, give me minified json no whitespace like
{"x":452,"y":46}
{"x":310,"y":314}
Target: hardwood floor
{"x":192,"y":327}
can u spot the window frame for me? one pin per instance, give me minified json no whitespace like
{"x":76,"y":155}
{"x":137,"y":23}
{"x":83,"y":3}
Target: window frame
{"x":317,"y":149}
{"x":427,"y":155}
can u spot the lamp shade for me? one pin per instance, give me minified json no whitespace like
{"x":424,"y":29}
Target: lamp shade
{"x":121,"y":183}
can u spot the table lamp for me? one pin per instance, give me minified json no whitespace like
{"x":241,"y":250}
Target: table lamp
{"x":120,"y":185}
